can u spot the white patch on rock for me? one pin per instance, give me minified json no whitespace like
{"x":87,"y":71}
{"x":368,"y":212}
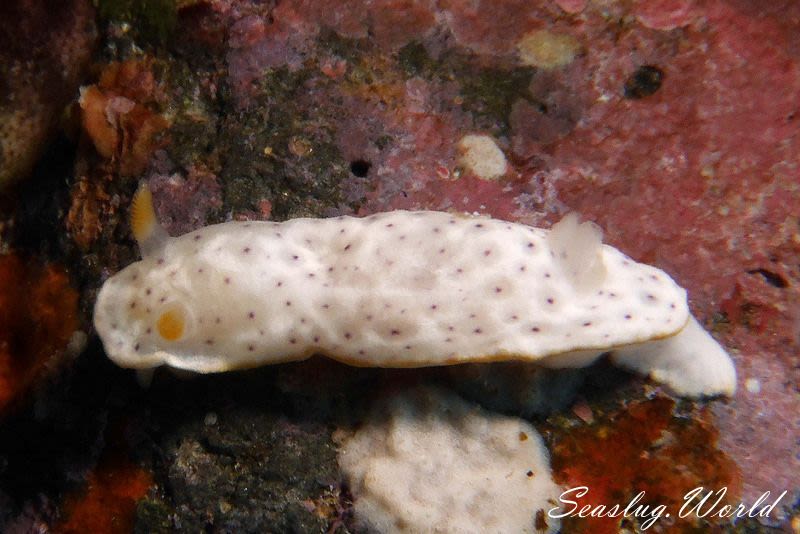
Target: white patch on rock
{"x":547,"y":50}
{"x":481,"y":155}
{"x":427,"y":461}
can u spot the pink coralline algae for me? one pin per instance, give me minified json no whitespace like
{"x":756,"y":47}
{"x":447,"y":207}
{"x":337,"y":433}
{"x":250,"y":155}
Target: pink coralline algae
{"x":284,"y":37}
{"x":192,"y":198}
{"x":700,"y":179}
{"x":663,"y":14}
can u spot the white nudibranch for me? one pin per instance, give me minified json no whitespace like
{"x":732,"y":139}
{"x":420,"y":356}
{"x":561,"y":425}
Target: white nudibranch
{"x":399,"y":289}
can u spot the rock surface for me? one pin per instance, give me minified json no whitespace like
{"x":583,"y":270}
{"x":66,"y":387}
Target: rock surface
{"x":673,"y":126}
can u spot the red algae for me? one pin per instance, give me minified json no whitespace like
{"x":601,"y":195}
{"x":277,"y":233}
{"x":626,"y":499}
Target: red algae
{"x":38,"y":315}
{"x":107,"y":505}
{"x":645,"y":447}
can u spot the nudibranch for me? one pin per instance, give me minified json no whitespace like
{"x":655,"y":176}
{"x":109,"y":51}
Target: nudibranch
{"x":399,"y":289}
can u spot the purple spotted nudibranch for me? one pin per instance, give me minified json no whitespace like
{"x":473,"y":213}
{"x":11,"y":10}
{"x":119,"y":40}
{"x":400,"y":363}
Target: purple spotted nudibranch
{"x":399,"y":289}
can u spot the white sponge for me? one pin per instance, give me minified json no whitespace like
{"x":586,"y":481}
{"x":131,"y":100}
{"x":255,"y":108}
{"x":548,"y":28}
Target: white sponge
{"x":427,"y":462}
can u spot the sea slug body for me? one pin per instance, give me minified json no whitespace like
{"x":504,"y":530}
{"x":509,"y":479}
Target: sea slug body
{"x":399,"y":289}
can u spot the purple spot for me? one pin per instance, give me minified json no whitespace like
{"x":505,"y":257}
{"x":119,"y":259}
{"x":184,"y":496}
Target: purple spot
{"x":288,"y":302}
{"x":535,"y":329}
{"x":251,"y":315}
{"x":487,"y":252}
{"x":550,"y":300}
{"x":227,"y":280}
{"x":395,"y":332}
{"x":246,"y":250}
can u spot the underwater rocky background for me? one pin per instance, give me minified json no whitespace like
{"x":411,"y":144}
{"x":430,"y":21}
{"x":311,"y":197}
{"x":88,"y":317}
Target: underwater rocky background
{"x":673,"y":124}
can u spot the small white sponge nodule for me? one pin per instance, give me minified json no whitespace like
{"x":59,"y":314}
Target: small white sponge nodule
{"x":481,"y":155}
{"x":427,"y":461}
